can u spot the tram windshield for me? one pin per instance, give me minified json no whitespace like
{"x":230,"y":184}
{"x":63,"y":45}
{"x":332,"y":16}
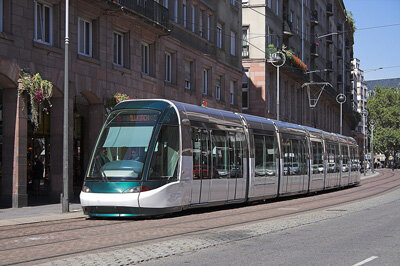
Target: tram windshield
{"x":123,"y":145}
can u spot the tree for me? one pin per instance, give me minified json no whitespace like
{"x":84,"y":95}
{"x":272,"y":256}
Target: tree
{"x":384,"y":108}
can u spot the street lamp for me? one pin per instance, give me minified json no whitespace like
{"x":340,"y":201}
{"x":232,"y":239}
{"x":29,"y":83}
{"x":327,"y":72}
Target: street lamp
{"x":65,"y":195}
{"x":364,"y":114}
{"x":372,"y":126}
{"x":278,"y":59}
{"x":341,"y":99}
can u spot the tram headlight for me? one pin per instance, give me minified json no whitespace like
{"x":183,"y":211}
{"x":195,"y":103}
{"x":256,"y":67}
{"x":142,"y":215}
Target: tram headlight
{"x":86,"y":189}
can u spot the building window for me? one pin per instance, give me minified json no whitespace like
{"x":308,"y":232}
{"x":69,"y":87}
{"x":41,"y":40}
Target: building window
{"x":118,"y":49}
{"x":146,"y":58}
{"x":232,"y":92}
{"x":245,"y":42}
{"x":84,"y":37}
{"x":219,"y":35}
{"x":270,"y":33}
{"x":176,"y":11}
{"x":297,"y":25}
{"x":168,"y":67}
{"x":205,"y":81}
{"x":201,"y":23}
{"x":193,"y":18}
{"x":218,"y":84}
{"x":245,"y":89}
{"x":43,"y":23}
{"x":233,"y":43}
{"x":1,"y":15}
{"x":277,"y":8}
{"x":165,"y":3}
{"x":270,"y":4}
{"x":188,"y":74}
{"x":184,"y":13}
{"x":208,"y":27}
{"x":233,"y":2}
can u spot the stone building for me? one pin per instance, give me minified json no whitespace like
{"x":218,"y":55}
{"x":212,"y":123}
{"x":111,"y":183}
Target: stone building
{"x":186,"y":50}
{"x":320,"y":35}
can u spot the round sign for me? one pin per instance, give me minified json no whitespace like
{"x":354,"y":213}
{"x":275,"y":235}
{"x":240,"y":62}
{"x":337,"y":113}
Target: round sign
{"x":341,"y":98}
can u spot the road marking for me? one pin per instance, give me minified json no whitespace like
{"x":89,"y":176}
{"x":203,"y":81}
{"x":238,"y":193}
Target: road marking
{"x":365,"y":261}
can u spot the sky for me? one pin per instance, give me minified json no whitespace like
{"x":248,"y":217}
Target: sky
{"x":378,"y":47}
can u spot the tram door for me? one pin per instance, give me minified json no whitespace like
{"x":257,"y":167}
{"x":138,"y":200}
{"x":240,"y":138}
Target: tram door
{"x":201,"y":166}
{"x":236,"y":181}
{"x":345,"y":170}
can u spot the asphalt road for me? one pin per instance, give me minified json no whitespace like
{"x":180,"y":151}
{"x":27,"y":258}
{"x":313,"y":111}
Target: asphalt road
{"x":367,"y":237}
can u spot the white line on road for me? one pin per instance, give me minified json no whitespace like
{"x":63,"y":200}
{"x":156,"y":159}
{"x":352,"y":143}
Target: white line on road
{"x":365,"y":261}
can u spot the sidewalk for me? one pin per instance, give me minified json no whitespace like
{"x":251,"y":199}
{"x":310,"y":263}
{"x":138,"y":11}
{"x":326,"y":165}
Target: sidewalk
{"x":42,"y":213}
{"x":53,"y":212}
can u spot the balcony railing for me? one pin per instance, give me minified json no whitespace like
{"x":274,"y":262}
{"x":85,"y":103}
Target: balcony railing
{"x":147,"y":8}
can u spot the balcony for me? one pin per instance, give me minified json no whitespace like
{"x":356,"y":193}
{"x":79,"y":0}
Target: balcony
{"x":329,"y":66}
{"x":245,"y":51}
{"x":314,"y":50}
{"x":314,"y":18}
{"x":329,"y":9}
{"x":149,"y":9}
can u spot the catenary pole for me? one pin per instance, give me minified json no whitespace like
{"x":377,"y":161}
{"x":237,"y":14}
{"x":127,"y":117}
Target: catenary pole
{"x":65,"y":196}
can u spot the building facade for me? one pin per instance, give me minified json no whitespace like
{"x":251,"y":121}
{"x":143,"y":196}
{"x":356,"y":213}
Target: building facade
{"x":360,"y":98}
{"x":185,"y":50}
{"x":318,"y":38}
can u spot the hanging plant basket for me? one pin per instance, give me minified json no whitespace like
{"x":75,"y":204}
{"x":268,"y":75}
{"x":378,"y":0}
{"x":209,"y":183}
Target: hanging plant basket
{"x":113,"y":101}
{"x":39,"y":92}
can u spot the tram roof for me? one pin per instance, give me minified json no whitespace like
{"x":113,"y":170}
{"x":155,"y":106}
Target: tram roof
{"x":289,"y":128}
{"x":260,"y":123}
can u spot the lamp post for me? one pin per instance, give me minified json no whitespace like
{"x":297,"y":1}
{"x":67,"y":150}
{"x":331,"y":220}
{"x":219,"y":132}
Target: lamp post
{"x":343,"y":75}
{"x":341,"y":99}
{"x":364,"y":114}
{"x":372,"y":126}
{"x":65,"y":195}
{"x":278,"y":59}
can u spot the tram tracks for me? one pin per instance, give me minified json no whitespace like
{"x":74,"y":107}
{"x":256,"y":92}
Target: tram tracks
{"x":236,"y":211}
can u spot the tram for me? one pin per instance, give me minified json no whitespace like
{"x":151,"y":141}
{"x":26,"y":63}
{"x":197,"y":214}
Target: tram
{"x":158,"y":156}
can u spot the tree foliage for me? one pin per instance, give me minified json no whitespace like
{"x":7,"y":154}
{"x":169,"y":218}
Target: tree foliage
{"x":384,"y":108}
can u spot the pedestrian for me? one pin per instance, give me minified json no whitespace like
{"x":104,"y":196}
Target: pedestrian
{"x":393,"y":166}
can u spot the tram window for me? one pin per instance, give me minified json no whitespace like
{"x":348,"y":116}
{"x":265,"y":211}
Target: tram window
{"x":205,"y":158}
{"x":333,"y":158}
{"x":294,"y":156}
{"x":201,"y":152}
{"x":196,"y":155}
{"x":164,"y":162}
{"x":354,"y":159}
{"x":265,"y":164}
{"x":318,"y":161}
{"x":236,"y":155}
{"x":220,"y":154}
{"x":345,"y":154}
